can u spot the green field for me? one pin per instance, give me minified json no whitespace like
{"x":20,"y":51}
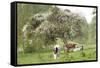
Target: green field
{"x":89,"y":53}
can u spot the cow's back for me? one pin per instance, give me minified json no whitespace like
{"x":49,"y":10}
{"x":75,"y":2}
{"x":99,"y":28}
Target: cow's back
{"x":70,"y":46}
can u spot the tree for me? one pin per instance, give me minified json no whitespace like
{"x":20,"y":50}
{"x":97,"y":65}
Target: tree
{"x":49,"y":24}
{"x":24,"y":12}
{"x":64,"y":24}
{"x":93,"y":28}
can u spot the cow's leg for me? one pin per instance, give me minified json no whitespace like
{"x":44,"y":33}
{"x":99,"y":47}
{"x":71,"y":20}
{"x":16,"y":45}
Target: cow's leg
{"x":55,"y":56}
{"x":58,"y":54}
{"x":65,"y":50}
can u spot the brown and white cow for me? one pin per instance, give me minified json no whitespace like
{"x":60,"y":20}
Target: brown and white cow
{"x":69,"y":47}
{"x":72,"y":47}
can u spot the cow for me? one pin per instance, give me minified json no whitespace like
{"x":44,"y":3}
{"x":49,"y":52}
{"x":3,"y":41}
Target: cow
{"x":72,"y":47}
{"x":56,"y":51}
{"x":69,"y":47}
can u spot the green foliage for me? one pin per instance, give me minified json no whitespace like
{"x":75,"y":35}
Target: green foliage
{"x":92,"y":29}
{"x":24,"y":12}
{"x":47,"y":23}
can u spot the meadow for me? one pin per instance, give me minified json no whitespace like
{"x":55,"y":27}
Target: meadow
{"x":89,"y":53}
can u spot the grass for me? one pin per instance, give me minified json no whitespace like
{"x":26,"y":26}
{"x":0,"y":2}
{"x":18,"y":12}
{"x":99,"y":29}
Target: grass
{"x":88,"y":53}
